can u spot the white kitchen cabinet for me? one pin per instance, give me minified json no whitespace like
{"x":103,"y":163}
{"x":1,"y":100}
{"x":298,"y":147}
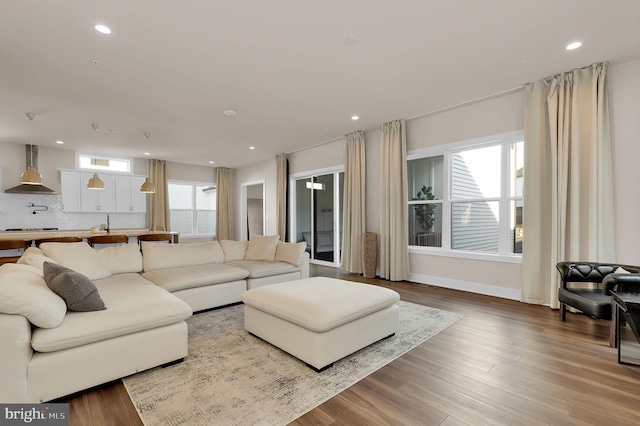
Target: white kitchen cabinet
{"x":92,"y":200}
{"x":70,"y":190}
{"x":129,"y":199}
{"x":121,"y":193}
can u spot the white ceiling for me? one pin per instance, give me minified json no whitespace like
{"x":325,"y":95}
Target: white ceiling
{"x":171,"y":68}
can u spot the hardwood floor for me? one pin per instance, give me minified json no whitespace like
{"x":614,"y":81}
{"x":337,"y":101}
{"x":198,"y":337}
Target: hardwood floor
{"x":506,"y":362}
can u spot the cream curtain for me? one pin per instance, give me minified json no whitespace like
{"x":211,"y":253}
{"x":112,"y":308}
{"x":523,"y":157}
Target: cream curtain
{"x":282,"y":177}
{"x":354,"y":202}
{"x":394,"y":228}
{"x":568,"y":198}
{"x":224,"y":229}
{"x":159,"y":201}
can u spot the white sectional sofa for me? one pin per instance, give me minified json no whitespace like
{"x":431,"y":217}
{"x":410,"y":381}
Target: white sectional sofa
{"x":48,"y":351}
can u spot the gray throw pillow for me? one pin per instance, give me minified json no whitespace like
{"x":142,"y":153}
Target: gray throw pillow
{"x":78,"y":292}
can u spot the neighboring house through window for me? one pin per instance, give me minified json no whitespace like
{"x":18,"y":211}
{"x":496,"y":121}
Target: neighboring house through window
{"x":192,"y":208}
{"x":467,"y":196}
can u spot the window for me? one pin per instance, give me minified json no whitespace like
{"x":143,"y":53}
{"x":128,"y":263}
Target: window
{"x":467,"y":196}
{"x":110,"y":164}
{"x":192,"y":208}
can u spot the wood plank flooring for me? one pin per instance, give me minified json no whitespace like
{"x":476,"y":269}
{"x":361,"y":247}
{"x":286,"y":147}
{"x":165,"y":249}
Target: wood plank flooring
{"x":506,"y":362}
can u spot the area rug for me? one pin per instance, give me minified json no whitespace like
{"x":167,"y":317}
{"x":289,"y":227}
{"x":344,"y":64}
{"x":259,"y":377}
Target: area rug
{"x":233,"y":378}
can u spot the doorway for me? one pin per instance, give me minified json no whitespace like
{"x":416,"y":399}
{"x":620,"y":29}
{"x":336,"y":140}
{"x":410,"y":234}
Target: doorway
{"x":317,"y":215}
{"x":253,"y":210}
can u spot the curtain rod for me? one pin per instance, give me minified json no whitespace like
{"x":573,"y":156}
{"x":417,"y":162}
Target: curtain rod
{"x":427,"y":114}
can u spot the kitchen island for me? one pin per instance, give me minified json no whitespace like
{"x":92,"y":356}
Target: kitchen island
{"x":81,"y":233}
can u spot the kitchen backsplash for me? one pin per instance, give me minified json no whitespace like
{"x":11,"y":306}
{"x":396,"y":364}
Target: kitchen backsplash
{"x":15,"y":213}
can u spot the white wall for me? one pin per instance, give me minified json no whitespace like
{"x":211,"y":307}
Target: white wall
{"x":624,"y":104}
{"x":492,"y":116}
{"x":190,"y":172}
{"x":263,"y":171}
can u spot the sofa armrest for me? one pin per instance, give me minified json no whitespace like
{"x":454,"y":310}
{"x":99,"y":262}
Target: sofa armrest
{"x":304,"y":266}
{"x":15,"y":335}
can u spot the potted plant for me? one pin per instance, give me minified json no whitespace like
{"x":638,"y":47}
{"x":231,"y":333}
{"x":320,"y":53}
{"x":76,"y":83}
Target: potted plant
{"x":424,"y":212}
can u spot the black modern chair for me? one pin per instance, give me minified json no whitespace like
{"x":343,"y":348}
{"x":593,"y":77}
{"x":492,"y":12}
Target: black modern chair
{"x":595,"y":302}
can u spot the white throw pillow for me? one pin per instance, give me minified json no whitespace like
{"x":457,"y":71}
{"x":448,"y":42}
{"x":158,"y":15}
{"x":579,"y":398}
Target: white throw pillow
{"x":162,"y":255}
{"x":290,"y":252}
{"x":121,"y":259}
{"x":234,"y":250}
{"x":262,"y":247}
{"x":77,"y":256}
{"x":621,"y":270}
{"x":33,"y":256}
{"x":23,"y":291}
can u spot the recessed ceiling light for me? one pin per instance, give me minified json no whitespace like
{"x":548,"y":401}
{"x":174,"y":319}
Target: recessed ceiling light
{"x":60,"y":142}
{"x":103,"y":29}
{"x":355,"y":117}
{"x":574,"y":45}
{"x":252,"y":147}
{"x":229,"y":112}
{"x":210,"y":162}
{"x":349,"y":39}
{"x":147,"y":153}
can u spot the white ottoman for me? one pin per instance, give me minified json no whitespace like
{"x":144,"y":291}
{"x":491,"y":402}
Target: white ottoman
{"x":321,"y":320}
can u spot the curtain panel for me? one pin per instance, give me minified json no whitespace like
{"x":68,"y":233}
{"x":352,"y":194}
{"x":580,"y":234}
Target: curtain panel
{"x":568,"y":185}
{"x":394,"y":219}
{"x":282,"y":195}
{"x":353,"y":214}
{"x":224,"y":229}
{"x":159,"y":219}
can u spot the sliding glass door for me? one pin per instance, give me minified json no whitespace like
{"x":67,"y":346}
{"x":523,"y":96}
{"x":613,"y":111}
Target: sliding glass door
{"x":318,"y":215}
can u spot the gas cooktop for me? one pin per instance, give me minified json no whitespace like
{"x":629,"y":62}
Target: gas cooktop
{"x":30,"y":229}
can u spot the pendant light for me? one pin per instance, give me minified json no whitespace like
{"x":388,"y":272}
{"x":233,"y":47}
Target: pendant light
{"x":95,"y":182}
{"x":148,"y":187}
{"x":31,"y":175}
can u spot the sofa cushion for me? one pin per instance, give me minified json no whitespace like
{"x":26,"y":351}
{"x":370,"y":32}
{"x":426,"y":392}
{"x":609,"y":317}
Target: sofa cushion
{"x":77,"y":256}
{"x":135,"y":304}
{"x":260,"y":269}
{"x":23,"y":291}
{"x":35,"y":257}
{"x":290,"y":252}
{"x":77,"y":291}
{"x":234,"y":250}
{"x":173,"y":279}
{"x":262,"y":247}
{"x":162,"y":255}
{"x":121,"y":259}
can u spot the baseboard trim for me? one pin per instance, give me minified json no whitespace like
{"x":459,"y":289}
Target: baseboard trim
{"x":488,"y":290}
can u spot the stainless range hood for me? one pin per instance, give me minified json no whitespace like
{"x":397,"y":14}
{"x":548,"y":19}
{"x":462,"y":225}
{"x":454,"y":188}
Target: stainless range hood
{"x":31,"y":150}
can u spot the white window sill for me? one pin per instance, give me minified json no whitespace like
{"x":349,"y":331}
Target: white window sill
{"x":488,"y":257}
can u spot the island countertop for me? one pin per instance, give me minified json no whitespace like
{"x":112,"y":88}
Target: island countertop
{"x":81,"y":233}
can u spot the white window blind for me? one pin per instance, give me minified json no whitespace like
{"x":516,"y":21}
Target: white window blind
{"x":192,"y":208}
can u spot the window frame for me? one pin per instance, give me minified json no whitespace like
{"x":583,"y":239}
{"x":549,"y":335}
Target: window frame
{"x":194,"y":211}
{"x":447,"y":150}
{"x":128,"y":160}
